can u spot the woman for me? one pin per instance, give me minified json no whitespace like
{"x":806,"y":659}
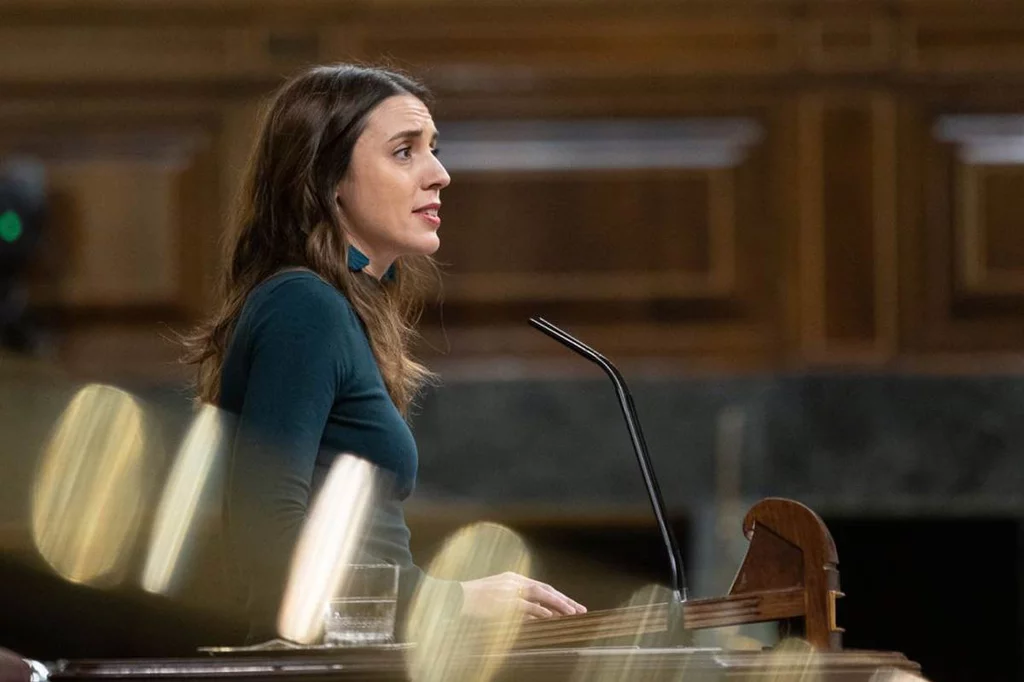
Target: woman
{"x":325,"y":273}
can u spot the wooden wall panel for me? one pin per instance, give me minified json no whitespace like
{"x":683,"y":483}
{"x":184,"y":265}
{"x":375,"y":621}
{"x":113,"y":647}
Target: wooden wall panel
{"x":989,"y":229}
{"x":133,"y":224}
{"x":589,"y":43}
{"x":55,"y":54}
{"x":118,"y":215}
{"x":200,"y":213}
{"x":122,"y":222}
{"x":591,"y":236}
{"x":683,"y":256}
{"x":847,"y":264}
{"x":986,"y":42}
{"x":966,"y":275}
{"x":844,"y":44}
{"x":784,"y":254}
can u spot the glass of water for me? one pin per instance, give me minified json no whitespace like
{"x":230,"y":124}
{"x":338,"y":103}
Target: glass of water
{"x":363,"y":612}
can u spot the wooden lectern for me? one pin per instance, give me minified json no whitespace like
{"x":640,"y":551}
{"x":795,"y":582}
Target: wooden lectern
{"x":789,"y":574}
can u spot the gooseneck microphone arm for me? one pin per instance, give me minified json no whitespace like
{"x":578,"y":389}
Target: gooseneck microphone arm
{"x":675,"y":558}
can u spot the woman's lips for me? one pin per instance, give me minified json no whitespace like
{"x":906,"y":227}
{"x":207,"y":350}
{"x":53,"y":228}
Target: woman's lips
{"x":430,"y":215}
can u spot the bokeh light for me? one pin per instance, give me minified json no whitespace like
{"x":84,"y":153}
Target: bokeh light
{"x":191,"y":476}
{"x":465,"y":648}
{"x":91,"y":485}
{"x":329,"y":542}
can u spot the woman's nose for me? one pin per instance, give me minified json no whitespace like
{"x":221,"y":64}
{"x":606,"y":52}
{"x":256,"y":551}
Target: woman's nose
{"x":437,"y":176}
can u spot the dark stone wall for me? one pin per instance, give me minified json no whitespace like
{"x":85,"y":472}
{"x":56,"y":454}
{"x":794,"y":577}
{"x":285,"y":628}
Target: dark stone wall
{"x":841,"y":443}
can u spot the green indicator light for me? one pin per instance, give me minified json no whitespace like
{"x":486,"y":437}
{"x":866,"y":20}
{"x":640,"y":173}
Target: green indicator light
{"x":10,"y":227}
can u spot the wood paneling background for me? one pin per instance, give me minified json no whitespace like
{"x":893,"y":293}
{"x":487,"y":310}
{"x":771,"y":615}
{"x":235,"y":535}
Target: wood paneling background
{"x":873,"y":219}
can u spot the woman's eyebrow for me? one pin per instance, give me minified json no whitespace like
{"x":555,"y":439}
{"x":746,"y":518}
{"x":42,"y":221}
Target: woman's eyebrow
{"x":412,"y":134}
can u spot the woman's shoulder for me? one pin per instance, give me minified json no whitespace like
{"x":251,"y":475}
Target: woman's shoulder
{"x":299,"y":293}
{"x":297,"y":284}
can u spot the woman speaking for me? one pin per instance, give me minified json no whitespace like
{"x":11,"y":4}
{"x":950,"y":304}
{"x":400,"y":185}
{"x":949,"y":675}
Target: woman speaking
{"x":327,"y":264}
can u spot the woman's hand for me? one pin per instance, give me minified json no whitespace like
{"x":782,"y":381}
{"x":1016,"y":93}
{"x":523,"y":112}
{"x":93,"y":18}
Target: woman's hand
{"x":497,"y":595}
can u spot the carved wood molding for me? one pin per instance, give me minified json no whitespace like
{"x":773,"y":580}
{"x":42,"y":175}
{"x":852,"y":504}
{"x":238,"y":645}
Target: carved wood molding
{"x":465,"y":46}
{"x":963,"y":246}
{"x":830,"y":182}
{"x":989,"y":149}
{"x":837,"y":45}
{"x":986,"y":42}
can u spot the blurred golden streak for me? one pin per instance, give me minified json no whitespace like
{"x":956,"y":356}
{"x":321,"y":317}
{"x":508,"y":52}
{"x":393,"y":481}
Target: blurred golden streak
{"x":182,"y":495}
{"x":793,"y":660}
{"x":89,"y":488}
{"x":452,"y":648}
{"x":328,"y":543}
{"x":634,"y":665}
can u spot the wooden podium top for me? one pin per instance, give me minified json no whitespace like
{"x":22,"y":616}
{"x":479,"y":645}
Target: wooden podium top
{"x":598,"y":663}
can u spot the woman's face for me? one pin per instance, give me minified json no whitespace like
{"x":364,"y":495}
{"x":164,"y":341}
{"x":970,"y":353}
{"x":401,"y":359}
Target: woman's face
{"x":391,"y":195}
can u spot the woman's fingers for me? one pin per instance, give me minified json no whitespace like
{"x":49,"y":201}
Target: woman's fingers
{"x":551,"y":598}
{"x":572,"y":604}
{"x":532,"y":610}
{"x":494,"y":595}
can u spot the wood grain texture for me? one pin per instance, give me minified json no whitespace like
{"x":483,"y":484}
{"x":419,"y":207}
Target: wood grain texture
{"x":828,"y":241}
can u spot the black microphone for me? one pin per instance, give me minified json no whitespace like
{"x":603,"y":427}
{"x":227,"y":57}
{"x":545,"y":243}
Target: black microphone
{"x":675,"y":558}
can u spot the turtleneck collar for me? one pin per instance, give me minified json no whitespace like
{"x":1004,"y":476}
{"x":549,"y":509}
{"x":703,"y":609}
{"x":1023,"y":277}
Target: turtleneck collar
{"x":357,"y":262}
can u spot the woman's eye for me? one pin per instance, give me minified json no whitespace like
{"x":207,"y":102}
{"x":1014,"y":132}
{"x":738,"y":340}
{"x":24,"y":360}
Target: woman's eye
{"x":436,"y":151}
{"x":404,"y":152}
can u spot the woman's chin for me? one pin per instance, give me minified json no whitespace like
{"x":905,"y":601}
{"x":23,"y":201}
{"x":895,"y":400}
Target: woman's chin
{"x":428,"y":245}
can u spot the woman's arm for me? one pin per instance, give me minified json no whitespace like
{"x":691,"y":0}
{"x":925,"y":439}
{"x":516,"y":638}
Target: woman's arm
{"x":293,"y":367}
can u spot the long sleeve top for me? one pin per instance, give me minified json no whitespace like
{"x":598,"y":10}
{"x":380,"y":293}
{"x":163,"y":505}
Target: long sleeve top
{"x":302,"y":379}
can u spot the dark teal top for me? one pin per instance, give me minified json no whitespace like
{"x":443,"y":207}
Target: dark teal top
{"x":302,"y":379}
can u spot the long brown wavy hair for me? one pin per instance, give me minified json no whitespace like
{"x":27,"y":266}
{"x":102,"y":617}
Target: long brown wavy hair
{"x":287,"y":216}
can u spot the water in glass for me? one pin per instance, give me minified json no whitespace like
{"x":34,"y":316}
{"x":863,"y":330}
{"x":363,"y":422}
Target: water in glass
{"x":360,"y":620}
